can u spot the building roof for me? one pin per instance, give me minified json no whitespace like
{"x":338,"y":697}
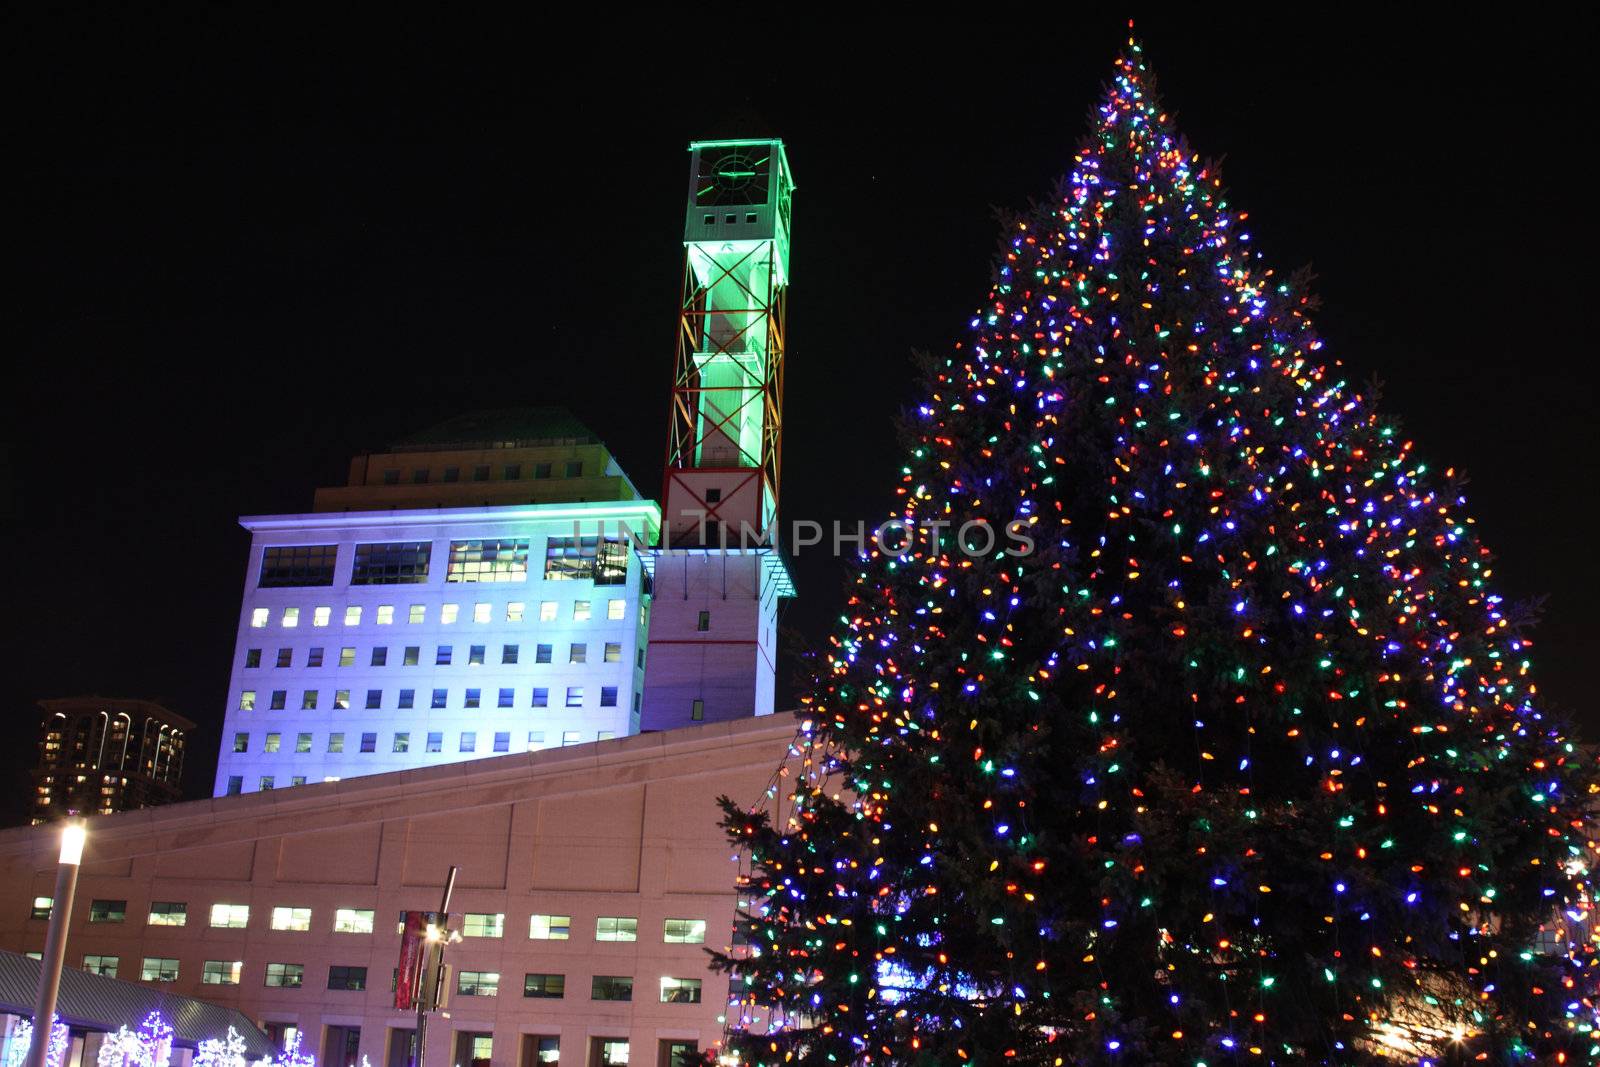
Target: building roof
{"x":131,"y":705}
{"x":504,"y":428}
{"x":97,"y":1003}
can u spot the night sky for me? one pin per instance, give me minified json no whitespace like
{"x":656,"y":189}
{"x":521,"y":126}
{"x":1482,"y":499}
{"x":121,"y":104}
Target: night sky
{"x":250,"y":250}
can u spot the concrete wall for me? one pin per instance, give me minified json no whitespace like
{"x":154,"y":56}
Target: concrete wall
{"x":623,"y":828}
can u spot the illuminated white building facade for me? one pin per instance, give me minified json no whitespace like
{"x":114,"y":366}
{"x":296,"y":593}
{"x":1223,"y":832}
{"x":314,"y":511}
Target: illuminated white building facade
{"x":381,"y":639}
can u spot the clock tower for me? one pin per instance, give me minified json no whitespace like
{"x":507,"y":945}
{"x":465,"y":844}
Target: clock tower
{"x":717,"y":573}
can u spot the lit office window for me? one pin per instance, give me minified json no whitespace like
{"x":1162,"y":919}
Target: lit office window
{"x":482,"y":612}
{"x":291,"y":919}
{"x":297,"y":565}
{"x":550,"y":927}
{"x":321,"y":616}
{"x":302,"y":742}
{"x":613,"y":652}
{"x":580,"y":611}
{"x":158,"y":969}
{"x":418,"y":614}
{"x":680,"y":990}
{"x":385,"y":614}
{"x":483,"y":924}
{"x":478,"y":983}
{"x":230,"y":916}
{"x":104,"y":966}
{"x":291,"y":618}
{"x":448,"y":613}
{"x":221,"y":972}
{"x":247,"y":700}
{"x":42,"y":907}
{"x":308,"y":700}
{"x":347,"y":657}
{"x":616,"y":609}
{"x":341,"y":699}
{"x":488,"y":561}
{"x":259,"y":618}
{"x":514,"y":611}
{"x":548,"y":610}
{"x":615,"y":928}
{"x":352,"y":920}
{"x":336,"y":742}
{"x":535,"y":740}
{"x":684,"y":932}
{"x":168,"y":913}
{"x":352,"y":615}
{"x":286,"y":975}
{"x":272,"y":742}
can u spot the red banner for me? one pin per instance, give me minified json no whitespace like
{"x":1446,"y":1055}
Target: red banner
{"x":413,"y":950}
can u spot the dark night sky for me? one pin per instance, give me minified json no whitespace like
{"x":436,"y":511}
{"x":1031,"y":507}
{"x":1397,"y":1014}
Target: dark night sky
{"x":250,"y":250}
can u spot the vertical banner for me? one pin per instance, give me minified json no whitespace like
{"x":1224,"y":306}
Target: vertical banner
{"x":413,"y":949}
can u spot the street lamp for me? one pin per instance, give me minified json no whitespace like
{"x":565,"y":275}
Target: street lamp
{"x":55,"y":943}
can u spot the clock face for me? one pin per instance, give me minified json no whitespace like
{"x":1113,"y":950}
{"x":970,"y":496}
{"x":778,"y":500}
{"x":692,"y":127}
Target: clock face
{"x":733,"y":176}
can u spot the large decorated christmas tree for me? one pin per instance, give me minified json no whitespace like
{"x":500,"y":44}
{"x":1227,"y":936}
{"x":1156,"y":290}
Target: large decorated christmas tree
{"x":1241,"y":763}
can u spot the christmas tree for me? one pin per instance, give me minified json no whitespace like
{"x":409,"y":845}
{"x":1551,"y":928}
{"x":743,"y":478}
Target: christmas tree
{"x":1241,"y":763}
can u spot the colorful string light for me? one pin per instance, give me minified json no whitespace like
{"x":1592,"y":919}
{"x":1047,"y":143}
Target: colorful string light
{"x":1242,"y":764}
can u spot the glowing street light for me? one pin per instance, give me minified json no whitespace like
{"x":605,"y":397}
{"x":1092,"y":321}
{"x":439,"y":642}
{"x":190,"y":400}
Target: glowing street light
{"x":73,"y":835}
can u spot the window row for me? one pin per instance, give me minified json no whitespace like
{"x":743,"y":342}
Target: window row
{"x":449,"y":614}
{"x":509,"y":472}
{"x":438,"y":699}
{"x":607,"y":987}
{"x":602,"y":560}
{"x":541,"y":927}
{"x":443,"y":655}
{"x":401,"y":741}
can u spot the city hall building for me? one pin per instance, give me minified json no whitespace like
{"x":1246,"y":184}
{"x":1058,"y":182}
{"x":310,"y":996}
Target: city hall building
{"x":593,"y":879}
{"x":487,"y":650}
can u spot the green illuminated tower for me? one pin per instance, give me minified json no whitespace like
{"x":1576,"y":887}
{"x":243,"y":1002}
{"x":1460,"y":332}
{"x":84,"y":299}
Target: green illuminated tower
{"x":717,"y":573}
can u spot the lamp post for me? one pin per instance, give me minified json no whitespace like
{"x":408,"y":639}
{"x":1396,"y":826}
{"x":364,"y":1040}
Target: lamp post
{"x":55,"y":942}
